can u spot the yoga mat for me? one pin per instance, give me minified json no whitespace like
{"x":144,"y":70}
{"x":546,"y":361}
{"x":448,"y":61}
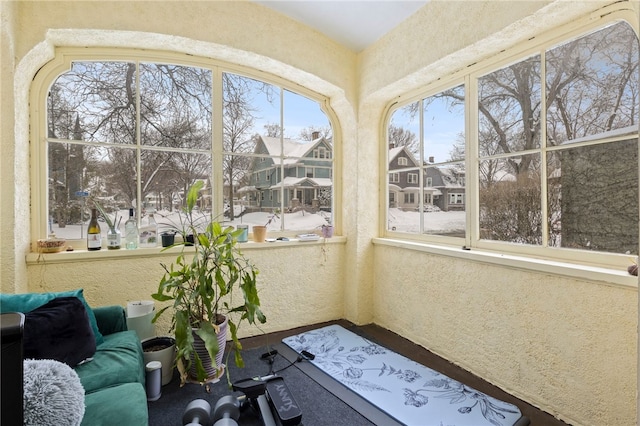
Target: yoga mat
{"x":408,"y":392}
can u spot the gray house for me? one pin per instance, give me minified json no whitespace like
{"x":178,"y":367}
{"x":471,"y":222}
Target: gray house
{"x":444,"y":187}
{"x":295,"y":174}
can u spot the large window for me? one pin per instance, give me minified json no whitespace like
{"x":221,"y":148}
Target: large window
{"x":137,"y":134}
{"x":553,"y":151}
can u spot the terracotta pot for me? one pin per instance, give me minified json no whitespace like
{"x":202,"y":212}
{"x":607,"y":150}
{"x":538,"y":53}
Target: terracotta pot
{"x":214,"y":370}
{"x":259,"y":233}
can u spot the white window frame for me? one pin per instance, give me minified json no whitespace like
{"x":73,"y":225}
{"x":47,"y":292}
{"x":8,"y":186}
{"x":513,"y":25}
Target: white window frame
{"x":412,"y":177}
{"x":468,"y":77}
{"x":402,"y":161}
{"x":394,"y":177}
{"x":62,"y":62}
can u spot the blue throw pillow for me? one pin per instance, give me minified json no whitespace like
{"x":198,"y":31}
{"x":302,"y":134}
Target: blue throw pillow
{"x":59,"y":330}
{"x":27,"y":302}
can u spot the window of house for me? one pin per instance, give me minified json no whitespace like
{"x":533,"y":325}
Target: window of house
{"x":410,"y":198}
{"x":456,"y":198}
{"x":552,"y":151}
{"x":394,"y":177}
{"x":412,"y":178}
{"x":402,"y":161}
{"x":135,"y":133}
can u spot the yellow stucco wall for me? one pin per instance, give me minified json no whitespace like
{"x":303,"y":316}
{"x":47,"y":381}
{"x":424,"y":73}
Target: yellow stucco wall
{"x":565,"y":345}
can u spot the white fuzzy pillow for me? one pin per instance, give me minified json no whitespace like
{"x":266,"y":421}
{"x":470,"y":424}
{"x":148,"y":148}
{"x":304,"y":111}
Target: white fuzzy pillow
{"x":53,"y":394}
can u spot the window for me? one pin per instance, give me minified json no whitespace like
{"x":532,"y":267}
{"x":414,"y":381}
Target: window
{"x":439,"y":149}
{"x":554,"y":154}
{"x":394,"y":177}
{"x":456,"y":198}
{"x":410,"y":198}
{"x":402,"y":161}
{"x":138,"y":133}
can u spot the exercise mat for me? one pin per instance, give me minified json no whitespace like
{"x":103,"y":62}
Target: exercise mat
{"x":406,"y":391}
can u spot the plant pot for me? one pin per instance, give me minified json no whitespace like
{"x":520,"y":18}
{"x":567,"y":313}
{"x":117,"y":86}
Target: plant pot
{"x":327,"y":231}
{"x":259,"y":233}
{"x":168,"y":239}
{"x":214,"y":368}
{"x":189,"y":240}
{"x":161,"y":349}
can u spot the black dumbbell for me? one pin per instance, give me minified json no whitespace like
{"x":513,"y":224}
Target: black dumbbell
{"x":198,"y":413}
{"x":227,"y":411}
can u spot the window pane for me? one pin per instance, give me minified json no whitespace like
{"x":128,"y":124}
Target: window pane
{"x":403,"y":155}
{"x":250,"y":107}
{"x":593,"y":197}
{"x":175,"y":106}
{"x":510,"y":206}
{"x":592,"y":84}
{"x":444,"y":126}
{"x":77,"y":171}
{"x":509,"y":109}
{"x":445,"y":189}
{"x":403,"y":134}
{"x":166,"y":174}
{"x":304,"y":121}
{"x":94,"y":101}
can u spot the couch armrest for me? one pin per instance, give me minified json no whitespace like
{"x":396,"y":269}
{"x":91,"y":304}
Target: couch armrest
{"x":110,"y":319}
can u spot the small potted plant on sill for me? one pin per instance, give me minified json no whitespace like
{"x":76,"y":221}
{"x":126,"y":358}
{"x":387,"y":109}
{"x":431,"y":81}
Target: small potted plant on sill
{"x":191,"y":221}
{"x":260,"y":231}
{"x":201,"y":286}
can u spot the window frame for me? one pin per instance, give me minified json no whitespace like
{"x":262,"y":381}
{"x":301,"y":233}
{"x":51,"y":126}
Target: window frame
{"x":469,"y":78}
{"x":62,"y":61}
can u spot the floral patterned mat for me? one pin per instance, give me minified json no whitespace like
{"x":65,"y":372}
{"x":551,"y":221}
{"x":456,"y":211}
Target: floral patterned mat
{"x":407,"y":391}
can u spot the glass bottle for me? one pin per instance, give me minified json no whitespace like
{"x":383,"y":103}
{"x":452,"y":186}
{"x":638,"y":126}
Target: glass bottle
{"x":131,"y":234}
{"x":149,"y":232}
{"x":94,"y":237}
{"x":113,"y":238}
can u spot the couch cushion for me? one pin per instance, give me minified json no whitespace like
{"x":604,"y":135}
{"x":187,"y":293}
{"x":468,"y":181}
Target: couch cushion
{"x":26,"y":302}
{"x":59,"y":330}
{"x":119,"y":359}
{"x":123,"y":405}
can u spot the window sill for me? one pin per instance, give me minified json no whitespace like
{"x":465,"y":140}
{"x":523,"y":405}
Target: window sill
{"x":105,"y":254}
{"x":571,"y":270}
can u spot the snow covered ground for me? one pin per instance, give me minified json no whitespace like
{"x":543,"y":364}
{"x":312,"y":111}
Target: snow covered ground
{"x":434,"y":222}
{"x":409,"y":221}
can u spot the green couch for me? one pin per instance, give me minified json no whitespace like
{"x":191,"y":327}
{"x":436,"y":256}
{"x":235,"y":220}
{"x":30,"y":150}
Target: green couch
{"x":114,"y":377}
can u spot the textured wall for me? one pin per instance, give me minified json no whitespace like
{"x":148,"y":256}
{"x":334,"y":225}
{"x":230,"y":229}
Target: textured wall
{"x":565,"y":345}
{"x":292,"y":293}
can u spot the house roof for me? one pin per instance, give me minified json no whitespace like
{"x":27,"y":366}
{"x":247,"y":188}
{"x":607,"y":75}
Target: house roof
{"x":294,"y":181}
{"x":393,"y":153}
{"x":290,"y":148}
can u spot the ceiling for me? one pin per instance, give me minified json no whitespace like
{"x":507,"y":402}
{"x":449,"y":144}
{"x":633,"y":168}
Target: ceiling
{"x":354,"y":24}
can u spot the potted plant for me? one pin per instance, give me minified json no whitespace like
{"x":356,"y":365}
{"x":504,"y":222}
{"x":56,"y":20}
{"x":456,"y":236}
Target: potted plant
{"x":191,"y":221}
{"x":260,"y":231}
{"x":201,"y":284}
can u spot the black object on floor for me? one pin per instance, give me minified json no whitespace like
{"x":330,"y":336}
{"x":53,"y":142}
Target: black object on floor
{"x":318,"y":406}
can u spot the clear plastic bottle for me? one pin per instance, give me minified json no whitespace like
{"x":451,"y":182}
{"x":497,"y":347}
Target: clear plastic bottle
{"x":131,"y":234}
{"x":149,"y":232}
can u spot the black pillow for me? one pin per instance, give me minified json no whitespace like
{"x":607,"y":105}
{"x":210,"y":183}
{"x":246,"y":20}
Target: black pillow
{"x":59,"y":330}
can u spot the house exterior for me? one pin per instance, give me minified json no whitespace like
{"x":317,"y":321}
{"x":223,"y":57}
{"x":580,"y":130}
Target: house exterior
{"x":295,"y":174}
{"x":443,"y":187}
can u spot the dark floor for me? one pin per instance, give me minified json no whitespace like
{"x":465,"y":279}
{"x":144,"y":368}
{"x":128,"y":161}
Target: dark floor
{"x":421,"y":355}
